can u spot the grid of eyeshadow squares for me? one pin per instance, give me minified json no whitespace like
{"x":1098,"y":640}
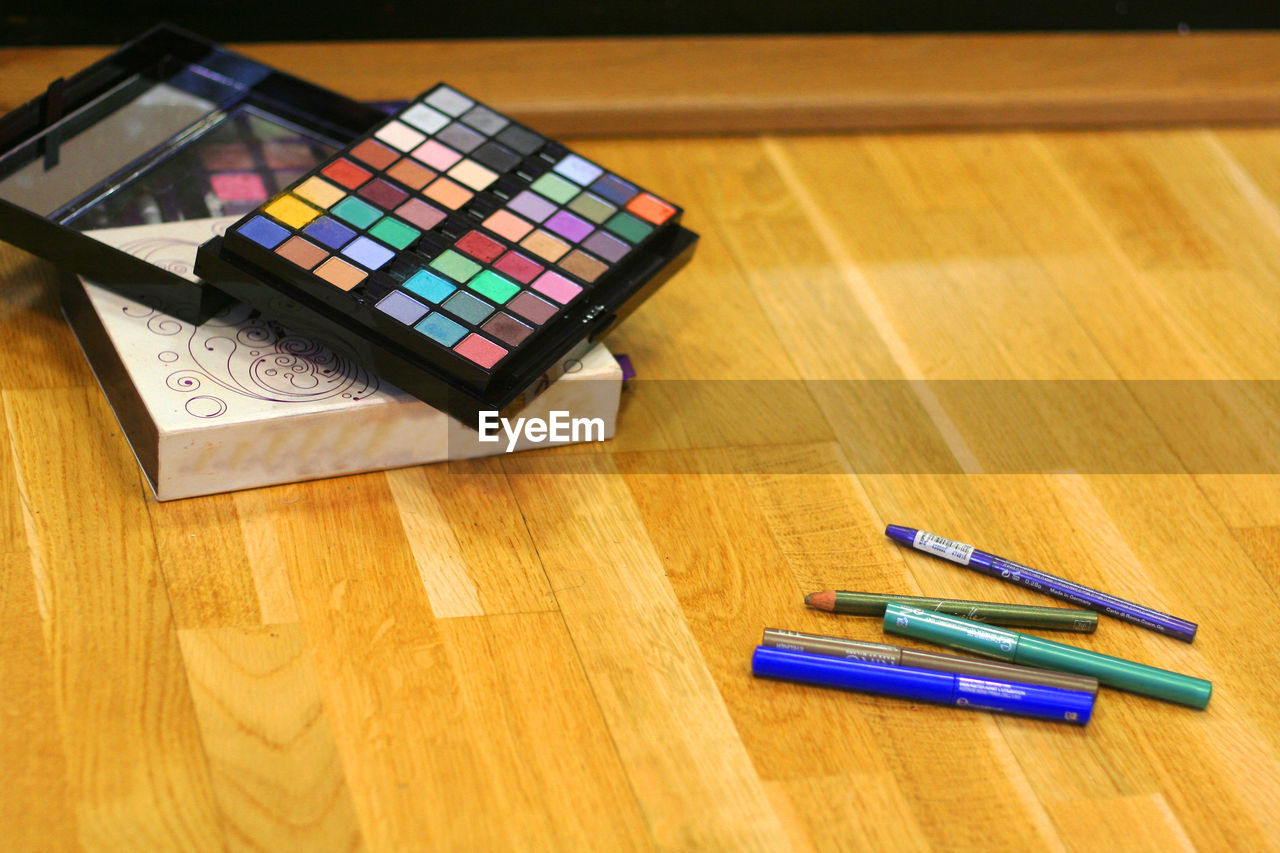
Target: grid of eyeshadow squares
{"x":541,"y":224}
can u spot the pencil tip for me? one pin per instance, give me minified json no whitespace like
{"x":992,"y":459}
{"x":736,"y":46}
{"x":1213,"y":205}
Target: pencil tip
{"x":825,"y":600}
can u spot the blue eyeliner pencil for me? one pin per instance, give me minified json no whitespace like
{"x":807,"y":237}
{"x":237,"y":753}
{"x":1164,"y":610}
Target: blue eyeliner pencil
{"x":999,"y":567}
{"x":944,"y":688}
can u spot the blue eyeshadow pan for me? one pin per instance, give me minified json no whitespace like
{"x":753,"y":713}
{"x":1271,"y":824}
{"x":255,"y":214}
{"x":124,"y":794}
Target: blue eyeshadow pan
{"x":441,"y":329}
{"x":405,"y":309}
{"x":367,"y":253}
{"x":330,"y":233}
{"x":430,"y":287}
{"x":264,"y":232}
{"x":615,"y":189}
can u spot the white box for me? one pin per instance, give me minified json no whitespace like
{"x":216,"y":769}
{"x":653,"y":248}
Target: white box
{"x":241,"y":402}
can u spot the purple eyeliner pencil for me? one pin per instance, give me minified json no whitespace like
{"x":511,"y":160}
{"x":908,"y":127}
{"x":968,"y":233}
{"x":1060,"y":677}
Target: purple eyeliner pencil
{"x":999,"y":567}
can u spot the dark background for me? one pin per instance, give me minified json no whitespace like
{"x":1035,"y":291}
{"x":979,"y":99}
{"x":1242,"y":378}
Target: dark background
{"x":30,"y":22}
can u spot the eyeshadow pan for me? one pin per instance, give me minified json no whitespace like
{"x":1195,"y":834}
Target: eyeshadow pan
{"x":424,"y":118}
{"x":238,"y":186}
{"x":506,"y":328}
{"x":532,"y":206}
{"x":383,"y":193}
{"x":610,"y":248}
{"x":263,"y":231}
{"x":394,"y":233}
{"x":555,"y":188}
{"x":557,"y":287}
{"x":435,"y":155}
{"x":544,"y":245}
{"x":480,"y":247}
{"x":333,"y":234}
{"x":485,"y":119}
{"x":650,"y":207}
{"x":583,"y":265}
{"x":468,"y":307}
{"x":614,"y":189}
{"x":595,"y":209}
{"x":400,"y":136}
{"x":448,"y":193}
{"x":577,"y":169}
{"x":367,"y":253}
{"x":340,"y":274}
{"x":493,"y":286}
{"x":496,"y":157}
{"x":403,"y":308}
{"x":532,"y":308}
{"x":420,"y":213}
{"x":376,"y":155}
{"x":455,"y":266}
{"x":518,"y":267}
{"x":410,"y":174}
{"x":291,"y":211}
{"x":626,"y":225}
{"x":329,"y":232}
{"x":472,"y":174}
{"x":507,"y":224}
{"x":569,"y":226}
{"x":302,"y":253}
{"x":319,"y":192}
{"x":430,"y":287}
{"x":460,"y":136}
{"x":356,"y":212}
{"x":482,"y":351}
{"x":449,"y":101}
{"x":520,"y":139}
{"x":346,"y":173}
{"x":441,"y":329}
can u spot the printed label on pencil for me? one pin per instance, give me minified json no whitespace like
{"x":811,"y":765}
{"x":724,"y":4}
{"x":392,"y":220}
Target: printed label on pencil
{"x":948,"y":549}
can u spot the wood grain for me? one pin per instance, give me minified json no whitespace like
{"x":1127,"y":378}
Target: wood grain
{"x":649,"y":86}
{"x":1061,"y":346}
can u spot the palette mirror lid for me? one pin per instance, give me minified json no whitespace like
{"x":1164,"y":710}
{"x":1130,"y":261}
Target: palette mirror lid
{"x":137,"y":137}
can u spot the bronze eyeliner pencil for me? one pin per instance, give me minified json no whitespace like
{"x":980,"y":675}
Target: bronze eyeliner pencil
{"x":839,"y":647}
{"x":991,"y":612}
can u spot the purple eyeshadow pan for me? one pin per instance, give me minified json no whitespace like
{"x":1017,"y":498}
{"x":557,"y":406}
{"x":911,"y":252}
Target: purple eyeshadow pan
{"x":401,"y":307}
{"x":532,"y":206}
{"x":383,"y":194}
{"x":567,"y":225}
{"x":367,"y":253}
{"x":610,"y":248}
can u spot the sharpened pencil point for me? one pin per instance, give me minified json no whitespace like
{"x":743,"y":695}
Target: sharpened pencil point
{"x":825,"y":600}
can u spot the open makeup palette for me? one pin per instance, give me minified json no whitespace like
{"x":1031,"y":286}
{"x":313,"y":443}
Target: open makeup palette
{"x":448,"y":248}
{"x":468,"y":251}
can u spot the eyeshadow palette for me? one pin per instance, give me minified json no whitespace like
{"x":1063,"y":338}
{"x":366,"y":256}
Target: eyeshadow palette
{"x":466,"y":251}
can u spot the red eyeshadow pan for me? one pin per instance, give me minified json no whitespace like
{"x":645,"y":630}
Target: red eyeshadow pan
{"x":482,"y":351}
{"x":518,"y":267}
{"x":346,"y":173}
{"x":383,"y":194}
{"x":375,"y":154}
{"x":480,"y":247}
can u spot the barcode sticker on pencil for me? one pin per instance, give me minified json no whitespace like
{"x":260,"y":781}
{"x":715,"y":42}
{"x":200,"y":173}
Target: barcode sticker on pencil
{"x":947,"y":549}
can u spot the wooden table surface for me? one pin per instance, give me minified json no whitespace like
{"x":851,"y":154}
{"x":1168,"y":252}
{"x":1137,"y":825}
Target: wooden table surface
{"x":551,"y":650}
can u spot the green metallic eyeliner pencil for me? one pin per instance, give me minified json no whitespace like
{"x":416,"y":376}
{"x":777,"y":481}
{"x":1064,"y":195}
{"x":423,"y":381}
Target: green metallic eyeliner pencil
{"x":1026,"y":650}
{"x":995,"y":613}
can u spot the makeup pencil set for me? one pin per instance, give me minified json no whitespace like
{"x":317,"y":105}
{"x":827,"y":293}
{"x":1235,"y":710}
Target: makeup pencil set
{"x":1028,"y":675}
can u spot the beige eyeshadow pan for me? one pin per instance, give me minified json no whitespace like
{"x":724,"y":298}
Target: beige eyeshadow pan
{"x":544,"y":245}
{"x":583,"y":265}
{"x":340,"y":274}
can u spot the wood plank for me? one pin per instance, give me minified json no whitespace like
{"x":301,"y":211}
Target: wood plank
{"x":36,"y":810}
{"x":769,"y":83}
{"x":667,"y":718}
{"x":272,"y":759}
{"x":121,"y":695}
